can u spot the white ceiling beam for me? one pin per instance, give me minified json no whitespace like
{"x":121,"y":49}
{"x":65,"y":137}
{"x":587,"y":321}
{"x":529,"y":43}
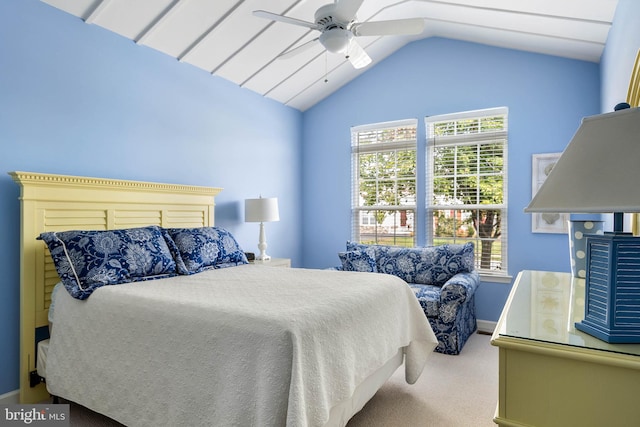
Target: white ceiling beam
{"x":160,"y":21}
{"x":95,"y":13}
{"x":256,"y":36}
{"x":208,"y":32}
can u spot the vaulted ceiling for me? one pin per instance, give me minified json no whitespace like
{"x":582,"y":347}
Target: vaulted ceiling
{"x":226,"y":39}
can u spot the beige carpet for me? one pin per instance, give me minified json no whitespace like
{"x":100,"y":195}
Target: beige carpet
{"x":453,"y":391}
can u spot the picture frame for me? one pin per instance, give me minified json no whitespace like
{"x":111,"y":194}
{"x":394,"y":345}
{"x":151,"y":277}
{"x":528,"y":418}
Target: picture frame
{"x":545,"y":222}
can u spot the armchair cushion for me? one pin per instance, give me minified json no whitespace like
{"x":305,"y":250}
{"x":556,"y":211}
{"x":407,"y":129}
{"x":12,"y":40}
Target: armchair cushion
{"x":429,"y":298}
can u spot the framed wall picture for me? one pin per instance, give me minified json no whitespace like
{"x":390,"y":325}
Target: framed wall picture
{"x":545,"y":222}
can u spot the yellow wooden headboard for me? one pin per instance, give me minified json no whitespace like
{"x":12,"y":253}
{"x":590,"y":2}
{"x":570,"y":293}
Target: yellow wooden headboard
{"x":633,"y":99}
{"x":633,"y":95}
{"x":59,"y":202}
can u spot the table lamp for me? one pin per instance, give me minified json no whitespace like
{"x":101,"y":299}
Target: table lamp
{"x":599,"y":172}
{"x":261,"y":210}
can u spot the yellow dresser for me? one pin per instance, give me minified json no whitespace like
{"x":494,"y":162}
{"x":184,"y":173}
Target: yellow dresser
{"x":550,"y":373}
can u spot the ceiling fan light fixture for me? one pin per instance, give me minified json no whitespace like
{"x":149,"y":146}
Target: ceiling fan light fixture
{"x":339,"y":29}
{"x":336,"y":40}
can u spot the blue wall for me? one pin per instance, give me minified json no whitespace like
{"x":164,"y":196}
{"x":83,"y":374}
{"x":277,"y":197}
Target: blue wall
{"x":77,"y":99}
{"x":546,"y":96}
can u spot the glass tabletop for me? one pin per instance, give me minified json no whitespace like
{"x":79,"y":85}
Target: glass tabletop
{"x":545,"y":306}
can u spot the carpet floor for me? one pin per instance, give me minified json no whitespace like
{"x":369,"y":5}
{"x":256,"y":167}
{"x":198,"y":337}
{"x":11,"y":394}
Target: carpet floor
{"x":453,"y":391}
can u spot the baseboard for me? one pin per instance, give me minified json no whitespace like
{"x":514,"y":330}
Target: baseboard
{"x":486,"y":327}
{"x":13,"y":397}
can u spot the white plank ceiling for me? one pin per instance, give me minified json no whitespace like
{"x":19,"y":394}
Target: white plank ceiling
{"x":224,"y":38}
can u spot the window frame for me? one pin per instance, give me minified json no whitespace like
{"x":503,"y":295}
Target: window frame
{"x":477,"y":139}
{"x":357,"y":149}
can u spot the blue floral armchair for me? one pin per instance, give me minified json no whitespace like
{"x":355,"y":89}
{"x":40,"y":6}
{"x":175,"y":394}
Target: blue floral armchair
{"x":443,"y":278}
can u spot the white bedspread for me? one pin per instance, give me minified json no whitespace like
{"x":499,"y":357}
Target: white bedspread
{"x":241,"y":346}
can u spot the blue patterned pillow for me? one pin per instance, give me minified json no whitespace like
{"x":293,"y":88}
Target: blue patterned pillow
{"x":429,"y":266}
{"x":359,"y":260}
{"x":203,"y":248}
{"x":378,"y":250}
{"x":355,"y":246}
{"x":87,"y":260}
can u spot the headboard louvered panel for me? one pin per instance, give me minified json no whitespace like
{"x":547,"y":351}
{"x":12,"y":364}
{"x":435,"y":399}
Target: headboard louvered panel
{"x":59,"y":202}
{"x":59,"y":220}
{"x":183,"y":218}
{"x":121,"y":218}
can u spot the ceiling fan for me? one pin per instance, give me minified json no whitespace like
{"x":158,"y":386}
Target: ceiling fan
{"x":338,"y":29}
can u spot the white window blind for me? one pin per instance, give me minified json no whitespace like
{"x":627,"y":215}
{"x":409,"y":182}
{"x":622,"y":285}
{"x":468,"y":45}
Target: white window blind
{"x":467,"y":184}
{"x":384,"y":182}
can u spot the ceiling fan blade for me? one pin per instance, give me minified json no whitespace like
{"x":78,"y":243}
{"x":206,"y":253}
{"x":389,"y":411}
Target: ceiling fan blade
{"x":346,"y":9}
{"x":285,"y":19}
{"x":298,"y":49}
{"x":357,"y":56}
{"x":389,"y":28}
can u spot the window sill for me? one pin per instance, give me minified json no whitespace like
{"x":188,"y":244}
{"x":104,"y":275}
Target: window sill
{"x":495,"y":278}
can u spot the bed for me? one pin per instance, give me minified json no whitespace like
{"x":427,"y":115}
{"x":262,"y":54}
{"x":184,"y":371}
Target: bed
{"x":241,"y":345}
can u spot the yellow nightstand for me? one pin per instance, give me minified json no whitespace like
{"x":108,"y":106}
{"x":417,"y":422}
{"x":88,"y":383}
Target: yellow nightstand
{"x":274,"y":262}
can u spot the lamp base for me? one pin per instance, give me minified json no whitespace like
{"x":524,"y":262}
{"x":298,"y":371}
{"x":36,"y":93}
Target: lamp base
{"x":612,"y":311}
{"x":578,"y":229}
{"x":262,"y":245}
{"x":608,"y":335}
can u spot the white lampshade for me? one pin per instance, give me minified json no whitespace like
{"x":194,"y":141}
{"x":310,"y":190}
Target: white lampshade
{"x":261,"y":210}
{"x":599,"y":171}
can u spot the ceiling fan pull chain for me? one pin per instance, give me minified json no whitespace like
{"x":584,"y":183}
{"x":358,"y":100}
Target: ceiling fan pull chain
{"x":326,"y":67}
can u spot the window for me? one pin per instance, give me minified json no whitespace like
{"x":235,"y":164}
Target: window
{"x":384,"y":183}
{"x":467,"y":184}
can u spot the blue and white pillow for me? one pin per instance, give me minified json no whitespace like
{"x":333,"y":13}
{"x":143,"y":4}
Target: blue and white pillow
{"x":203,"y":248}
{"x":363,"y":260}
{"x":87,"y":260}
{"x":432,"y":265}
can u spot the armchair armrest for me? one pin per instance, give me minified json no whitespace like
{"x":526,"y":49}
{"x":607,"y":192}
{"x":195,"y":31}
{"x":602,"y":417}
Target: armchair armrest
{"x":460,"y":287}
